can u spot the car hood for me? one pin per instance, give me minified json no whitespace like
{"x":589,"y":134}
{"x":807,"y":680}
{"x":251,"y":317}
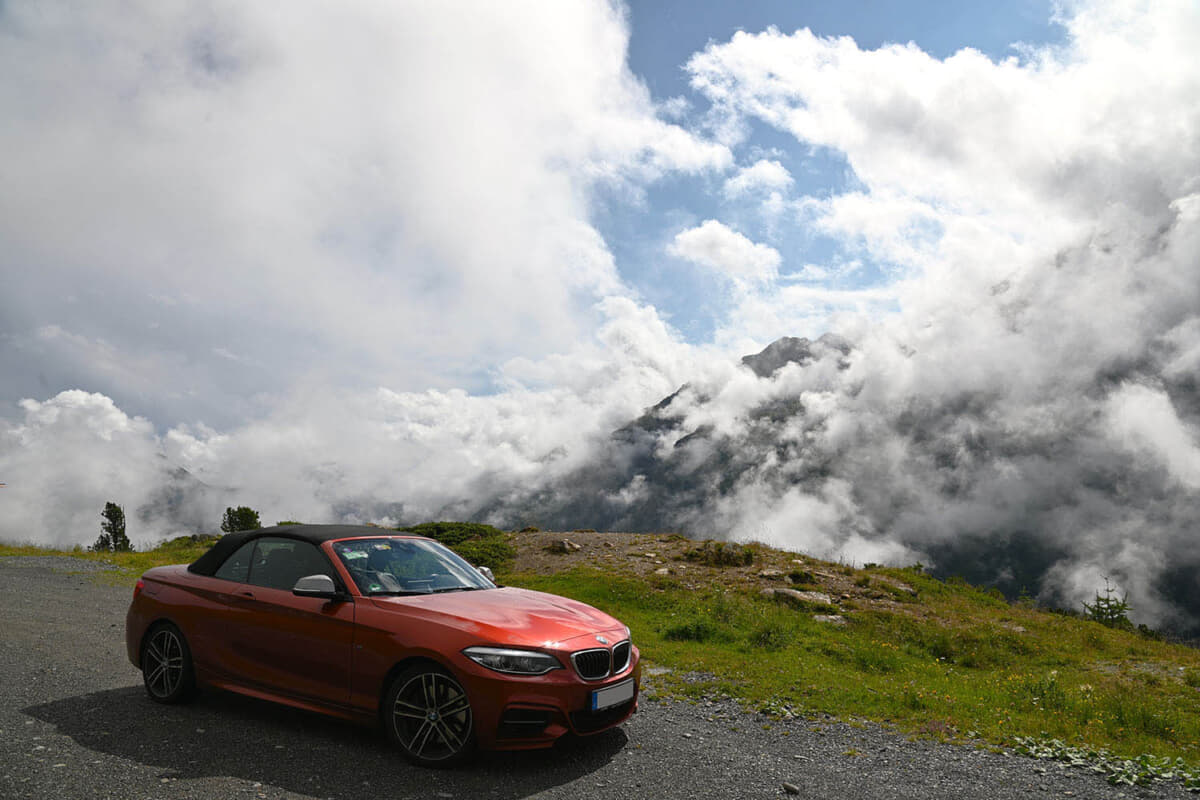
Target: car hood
{"x":507,"y":615}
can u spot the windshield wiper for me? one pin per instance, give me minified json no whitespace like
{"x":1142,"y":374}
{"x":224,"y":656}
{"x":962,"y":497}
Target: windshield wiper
{"x":456,"y":589}
{"x":394,"y":593}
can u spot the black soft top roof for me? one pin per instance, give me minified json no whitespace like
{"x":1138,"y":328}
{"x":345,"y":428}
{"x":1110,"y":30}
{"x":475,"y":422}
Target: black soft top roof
{"x":208,"y":563}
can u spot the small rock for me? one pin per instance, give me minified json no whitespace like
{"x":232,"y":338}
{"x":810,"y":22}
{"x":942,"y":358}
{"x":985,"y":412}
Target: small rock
{"x":567,"y":546}
{"x":687,"y":736}
{"x":832,"y":619}
{"x":650,"y":555}
{"x":663,"y":571}
{"x":800,"y":596}
{"x":791,"y":788}
{"x":771,"y":573}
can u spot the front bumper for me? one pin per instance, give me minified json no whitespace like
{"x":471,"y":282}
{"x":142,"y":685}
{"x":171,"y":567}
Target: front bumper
{"x":522,"y":713}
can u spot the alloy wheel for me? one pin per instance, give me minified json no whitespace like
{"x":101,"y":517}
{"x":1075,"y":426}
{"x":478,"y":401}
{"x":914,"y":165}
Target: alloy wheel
{"x":431,"y":717}
{"x":166,"y":666}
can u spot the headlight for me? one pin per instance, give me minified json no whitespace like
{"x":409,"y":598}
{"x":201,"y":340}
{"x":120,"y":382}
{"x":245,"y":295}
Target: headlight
{"x":515,"y":662}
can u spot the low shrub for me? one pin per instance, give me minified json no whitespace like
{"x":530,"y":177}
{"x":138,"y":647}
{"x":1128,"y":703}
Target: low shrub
{"x":721,"y":554}
{"x":771,"y":635}
{"x":802,"y":576}
{"x":693,"y":630}
{"x":452,"y":533}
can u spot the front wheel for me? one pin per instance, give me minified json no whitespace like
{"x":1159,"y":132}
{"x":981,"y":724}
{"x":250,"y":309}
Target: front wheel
{"x":428,"y":715}
{"x":167,"y":666}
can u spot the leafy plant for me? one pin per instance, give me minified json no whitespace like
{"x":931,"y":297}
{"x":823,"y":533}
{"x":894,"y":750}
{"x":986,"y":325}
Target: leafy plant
{"x":1141,"y":770}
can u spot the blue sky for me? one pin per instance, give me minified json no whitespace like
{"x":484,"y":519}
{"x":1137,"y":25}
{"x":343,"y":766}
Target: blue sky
{"x":665,"y":35}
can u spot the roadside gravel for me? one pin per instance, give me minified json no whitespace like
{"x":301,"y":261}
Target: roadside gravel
{"x":75,"y":723}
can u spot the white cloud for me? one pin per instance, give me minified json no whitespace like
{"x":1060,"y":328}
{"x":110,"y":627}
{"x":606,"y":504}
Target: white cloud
{"x":372,"y":193}
{"x":1144,"y":420}
{"x":65,"y":459}
{"x":761,"y":176}
{"x":728,"y":252}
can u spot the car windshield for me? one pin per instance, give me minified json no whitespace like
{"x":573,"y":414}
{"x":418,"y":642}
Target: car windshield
{"x":399,"y":566}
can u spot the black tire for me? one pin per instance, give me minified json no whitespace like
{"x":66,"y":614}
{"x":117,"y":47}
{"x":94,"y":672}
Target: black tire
{"x":167,"y":669}
{"x":427,"y":714}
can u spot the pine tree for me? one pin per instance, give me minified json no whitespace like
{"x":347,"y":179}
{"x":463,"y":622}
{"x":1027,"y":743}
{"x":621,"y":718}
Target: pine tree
{"x":1108,"y":610}
{"x":112,"y":536}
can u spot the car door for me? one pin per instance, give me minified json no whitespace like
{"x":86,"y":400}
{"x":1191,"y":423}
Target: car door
{"x":215,"y":615}
{"x":299,"y":646}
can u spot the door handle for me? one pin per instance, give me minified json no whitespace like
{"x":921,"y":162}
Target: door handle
{"x":245,"y":595}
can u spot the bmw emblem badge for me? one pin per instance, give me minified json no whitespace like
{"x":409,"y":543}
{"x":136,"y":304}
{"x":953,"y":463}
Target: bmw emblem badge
{"x":601,"y":640}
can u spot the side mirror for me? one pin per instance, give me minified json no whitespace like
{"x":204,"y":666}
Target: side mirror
{"x":487,"y":573}
{"x":316,"y":586}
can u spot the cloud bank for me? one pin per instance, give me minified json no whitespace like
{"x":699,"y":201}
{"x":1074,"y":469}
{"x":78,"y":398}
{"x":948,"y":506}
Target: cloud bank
{"x":1018,"y":401}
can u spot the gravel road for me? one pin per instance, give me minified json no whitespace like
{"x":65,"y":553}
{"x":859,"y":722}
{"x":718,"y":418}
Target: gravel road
{"x":75,"y":723}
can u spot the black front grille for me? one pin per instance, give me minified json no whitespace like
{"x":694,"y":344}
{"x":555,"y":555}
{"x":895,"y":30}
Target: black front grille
{"x":592,"y":665}
{"x":620,"y":656}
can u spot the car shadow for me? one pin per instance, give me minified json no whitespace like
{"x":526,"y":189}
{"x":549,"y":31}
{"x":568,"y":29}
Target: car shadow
{"x":224,"y":734}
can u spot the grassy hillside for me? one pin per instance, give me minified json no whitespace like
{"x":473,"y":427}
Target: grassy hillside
{"x":790,"y":635}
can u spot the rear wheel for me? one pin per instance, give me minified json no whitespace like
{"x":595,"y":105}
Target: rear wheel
{"x":167,"y":668}
{"x":428,"y":715}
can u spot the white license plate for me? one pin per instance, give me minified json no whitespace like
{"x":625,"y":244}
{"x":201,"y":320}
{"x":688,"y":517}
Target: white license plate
{"x":613,"y":695}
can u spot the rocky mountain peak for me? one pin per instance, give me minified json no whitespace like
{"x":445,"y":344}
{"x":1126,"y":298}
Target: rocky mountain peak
{"x":793,"y":350}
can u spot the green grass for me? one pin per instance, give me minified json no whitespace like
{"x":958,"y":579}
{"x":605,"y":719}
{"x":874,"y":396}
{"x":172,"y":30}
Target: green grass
{"x":949,"y":660}
{"x":967,"y":666}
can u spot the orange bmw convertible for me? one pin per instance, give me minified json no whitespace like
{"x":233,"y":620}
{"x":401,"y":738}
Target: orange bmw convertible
{"x":367,"y":624}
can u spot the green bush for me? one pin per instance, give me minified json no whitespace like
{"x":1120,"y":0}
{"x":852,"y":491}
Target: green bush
{"x":452,"y":533}
{"x":493,"y":553}
{"x":721,"y":554}
{"x":482,"y":545}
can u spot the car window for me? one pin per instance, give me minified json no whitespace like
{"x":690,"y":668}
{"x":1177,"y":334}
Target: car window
{"x":385,"y":565}
{"x":237,"y":566}
{"x":279,"y":563}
